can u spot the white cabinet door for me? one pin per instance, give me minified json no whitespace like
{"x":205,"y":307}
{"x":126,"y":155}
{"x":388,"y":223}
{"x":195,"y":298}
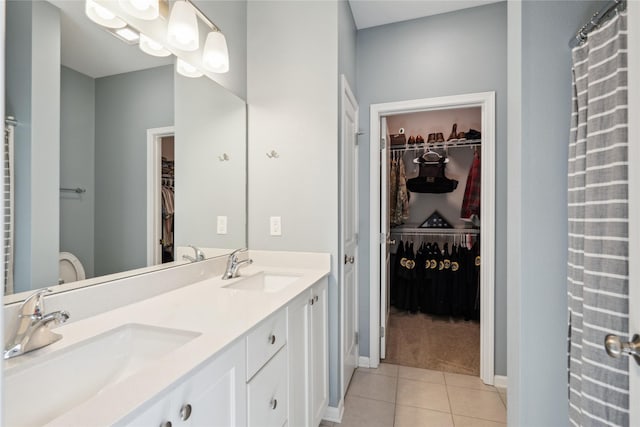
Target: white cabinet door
{"x":319,"y":352}
{"x":298,"y":313}
{"x":214,"y":395}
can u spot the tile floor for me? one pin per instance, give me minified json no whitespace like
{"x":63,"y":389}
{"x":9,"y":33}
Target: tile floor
{"x":399,"y":396}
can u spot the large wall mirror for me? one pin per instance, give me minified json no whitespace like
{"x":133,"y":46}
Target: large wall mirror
{"x":118,"y":163}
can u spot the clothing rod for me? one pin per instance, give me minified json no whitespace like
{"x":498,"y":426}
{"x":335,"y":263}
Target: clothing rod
{"x":596,"y":20}
{"x":10,"y":120}
{"x":77,"y":190}
{"x":434,"y":232}
{"x":469,"y":143}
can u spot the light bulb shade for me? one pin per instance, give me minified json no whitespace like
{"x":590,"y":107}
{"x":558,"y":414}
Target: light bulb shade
{"x":101,"y":15}
{"x":142,"y":9}
{"x":183,"y":27}
{"x":187,"y":70}
{"x":216,"y":55}
{"x":152,"y":47}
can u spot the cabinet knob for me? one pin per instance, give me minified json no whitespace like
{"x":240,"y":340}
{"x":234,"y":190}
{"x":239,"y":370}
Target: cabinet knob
{"x":166,"y":424}
{"x":274,"y":403}
{"x":272,"y":339}
{"x":315,"y":299}
{"x":185,"y":412}
{"x":312,"y":301}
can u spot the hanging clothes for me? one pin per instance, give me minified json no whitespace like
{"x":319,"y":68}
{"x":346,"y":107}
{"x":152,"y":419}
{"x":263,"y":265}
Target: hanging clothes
{"x":471,"y":200}
{"x":402,"y":195}
{"x":432,"y":179}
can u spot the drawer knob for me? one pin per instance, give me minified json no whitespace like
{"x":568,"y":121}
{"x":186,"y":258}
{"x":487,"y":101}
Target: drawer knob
{"x":272,"y":339}
{"x":166,"y":424}
{"x":274,"y":403}
{"x":315,"y":299}
{"x":312,"y":301}
{"x":185,"y":412}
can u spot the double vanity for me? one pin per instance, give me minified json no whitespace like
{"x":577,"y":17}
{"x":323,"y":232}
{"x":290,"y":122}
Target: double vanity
{"x":246,"y":351}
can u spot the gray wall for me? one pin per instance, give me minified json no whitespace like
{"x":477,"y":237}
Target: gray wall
{"x":449,"y":54}
{"x":209,"y":121}
{"x":77,"y":164}
{"x":33,"y":97}
{"x":231,"y":17}
{"x":126,"y":106}
{"x":292,"y":87}
{"x":538,"y":211}
{"x":347,"y":40}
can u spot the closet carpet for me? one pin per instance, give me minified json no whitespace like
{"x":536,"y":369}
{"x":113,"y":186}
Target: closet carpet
{"x":433,"y":342}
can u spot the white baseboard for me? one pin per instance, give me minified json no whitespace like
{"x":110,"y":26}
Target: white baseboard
{"x":500,"y":381}
{"x":363,"y":362}
{"x":334,"y":414}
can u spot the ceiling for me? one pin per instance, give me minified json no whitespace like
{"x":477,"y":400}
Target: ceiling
{"x":371,"y":13}
{"x":93,"y":51}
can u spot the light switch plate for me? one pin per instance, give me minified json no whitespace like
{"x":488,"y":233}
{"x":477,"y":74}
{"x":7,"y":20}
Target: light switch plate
{"x":222,"y":225}
{"x":275,"y":228}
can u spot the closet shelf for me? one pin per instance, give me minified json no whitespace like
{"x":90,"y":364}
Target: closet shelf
{"x":433,"y":231}
{"x":457,"y":144}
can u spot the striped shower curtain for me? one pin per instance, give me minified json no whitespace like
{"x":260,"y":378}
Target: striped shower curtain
{"x":598,"y":228}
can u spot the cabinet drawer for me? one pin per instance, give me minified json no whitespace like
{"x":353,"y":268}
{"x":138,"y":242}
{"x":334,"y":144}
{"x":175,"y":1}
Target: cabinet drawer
{"x":265,"y":341}
{"x":268,"y":394}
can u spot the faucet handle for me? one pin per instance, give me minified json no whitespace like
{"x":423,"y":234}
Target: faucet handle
{"x":235,"y":253}
{"x":34,"y":304}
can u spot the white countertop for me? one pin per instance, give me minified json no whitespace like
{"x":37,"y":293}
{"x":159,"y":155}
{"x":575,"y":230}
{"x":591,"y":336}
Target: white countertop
{"x":219,"y":315}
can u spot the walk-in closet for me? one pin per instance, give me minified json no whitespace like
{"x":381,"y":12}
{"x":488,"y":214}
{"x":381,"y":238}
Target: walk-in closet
{"x":168,"y":197}
{"x":434,"y":190}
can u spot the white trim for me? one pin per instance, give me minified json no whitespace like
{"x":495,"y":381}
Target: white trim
{"x":485,"y":100}
{"x":334,"y":414}
{"x":363,"y":362}
{"x":154,"y":207}
{"x":633,"y":25}
{"x":500,"y":381}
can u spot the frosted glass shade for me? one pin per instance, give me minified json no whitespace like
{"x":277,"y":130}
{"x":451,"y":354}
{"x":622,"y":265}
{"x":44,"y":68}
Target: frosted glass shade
{"x":102,"y":16}
{"x":216,"y":55}
{"x":187,"y":70}
{"x":151,"y":47}
{"x":183,"y":27}
{"x":142,"y":9}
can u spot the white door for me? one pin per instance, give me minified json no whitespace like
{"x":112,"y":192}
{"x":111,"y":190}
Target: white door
{"x":349,"y":234}
{"x":385,"y":281}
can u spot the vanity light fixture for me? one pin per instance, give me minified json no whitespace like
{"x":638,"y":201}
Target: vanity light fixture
{"x":102,"y":16}
{"x":187,"y":70}
{"x":183,"y":31}
{"x":215,"y":56}
{"x":151,"y":47}
{"x":142,"y":9}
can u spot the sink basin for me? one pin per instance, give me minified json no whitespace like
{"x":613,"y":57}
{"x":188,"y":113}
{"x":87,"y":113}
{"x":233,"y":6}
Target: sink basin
{"x":44,"y":388}
{"x":264,"y":282}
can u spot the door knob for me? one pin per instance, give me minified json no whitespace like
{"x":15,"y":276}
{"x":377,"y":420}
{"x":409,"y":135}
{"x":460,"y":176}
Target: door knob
{"x":349,"y":259}
{"x":616,"y":347}
{"x":391,"y":241}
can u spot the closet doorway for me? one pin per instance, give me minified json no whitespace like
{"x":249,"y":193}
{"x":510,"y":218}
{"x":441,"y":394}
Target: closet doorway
{"x":441,"y":226}
{"x":160,"y":195}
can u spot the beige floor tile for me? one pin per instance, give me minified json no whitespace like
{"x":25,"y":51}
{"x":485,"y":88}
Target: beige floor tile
{"x":408,"y":416}
{"x":468,"y":381}
{"x":423,"y":395}
{"x":461,"y":421}
{"x":418,"y":374}
{"x":325,"y":423}
{"x":359,"y":412}
{"x":387,"y":369}
{"x":378,"y":387}
{"x":477,"y":403}
{"x":503,"y":396}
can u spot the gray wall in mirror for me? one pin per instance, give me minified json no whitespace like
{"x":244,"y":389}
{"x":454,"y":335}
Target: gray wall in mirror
{"x":91,"y":132}
{"x":126,"y":106}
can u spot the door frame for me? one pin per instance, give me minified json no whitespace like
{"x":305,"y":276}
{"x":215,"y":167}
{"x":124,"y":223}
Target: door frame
{"x":633,"y":28}
{"x":154,"y":199}
{"x":347,"y":96}
{"x":486,"y":101}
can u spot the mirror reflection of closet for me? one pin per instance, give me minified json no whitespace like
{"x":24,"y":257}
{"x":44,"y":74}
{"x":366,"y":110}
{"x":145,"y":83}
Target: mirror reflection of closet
{"x":168,"y":197}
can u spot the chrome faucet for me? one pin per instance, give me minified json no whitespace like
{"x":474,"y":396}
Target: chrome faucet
{"x":233,"y":264}
{"x":199,"y":255}
{"x":32,"y":331}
